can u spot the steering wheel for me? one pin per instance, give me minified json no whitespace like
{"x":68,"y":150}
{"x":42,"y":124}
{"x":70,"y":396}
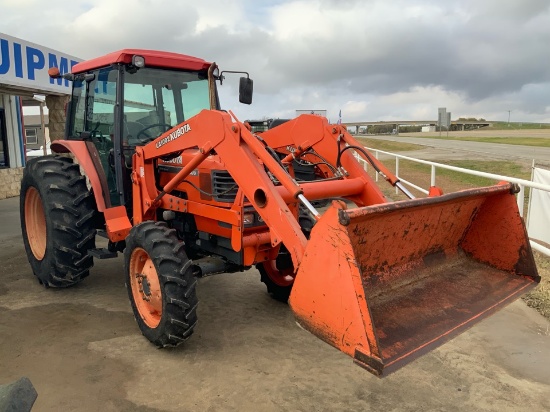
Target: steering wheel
{"x":100,"y":137}
{"x":148,"y":138}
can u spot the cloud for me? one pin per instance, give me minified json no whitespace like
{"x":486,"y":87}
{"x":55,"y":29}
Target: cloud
{"x":367,"y":58}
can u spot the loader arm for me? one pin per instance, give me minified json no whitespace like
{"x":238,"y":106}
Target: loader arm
{"x":314,"y":133}
{"x":240,"y":151}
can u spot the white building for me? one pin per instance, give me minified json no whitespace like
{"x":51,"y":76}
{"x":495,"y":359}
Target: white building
{"x":24,"y":75}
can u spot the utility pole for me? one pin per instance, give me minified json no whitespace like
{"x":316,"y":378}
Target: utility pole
{"x":509,"y":117}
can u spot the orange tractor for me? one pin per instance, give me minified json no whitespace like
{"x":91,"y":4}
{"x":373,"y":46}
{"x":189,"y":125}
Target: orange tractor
{"x":184,"y":189}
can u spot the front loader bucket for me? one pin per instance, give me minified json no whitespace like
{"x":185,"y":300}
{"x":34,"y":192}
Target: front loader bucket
{"x":389,"y":282}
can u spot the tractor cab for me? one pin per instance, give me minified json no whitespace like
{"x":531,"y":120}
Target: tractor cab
{"x":130,"y":97}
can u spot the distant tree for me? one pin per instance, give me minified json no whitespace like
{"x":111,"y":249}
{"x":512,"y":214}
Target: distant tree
{"x":471,"y":119}
{"x":409,"y":129}
{"x":380,"y":129}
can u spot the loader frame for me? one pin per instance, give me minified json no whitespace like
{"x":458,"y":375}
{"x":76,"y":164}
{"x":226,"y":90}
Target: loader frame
{"x":215,"y":133}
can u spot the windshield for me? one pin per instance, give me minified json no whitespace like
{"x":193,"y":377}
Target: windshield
{"x":156,"y":100}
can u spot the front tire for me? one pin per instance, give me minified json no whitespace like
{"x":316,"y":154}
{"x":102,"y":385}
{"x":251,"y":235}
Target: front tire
{"x":160,"y":283}
{"x":57,"y":220}
{"x":277,"y":281}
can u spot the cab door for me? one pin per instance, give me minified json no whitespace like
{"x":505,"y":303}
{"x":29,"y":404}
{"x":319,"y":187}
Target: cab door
{"x":94,"y":118}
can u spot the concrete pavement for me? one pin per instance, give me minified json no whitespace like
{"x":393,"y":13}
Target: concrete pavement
{"x":82,"y":350}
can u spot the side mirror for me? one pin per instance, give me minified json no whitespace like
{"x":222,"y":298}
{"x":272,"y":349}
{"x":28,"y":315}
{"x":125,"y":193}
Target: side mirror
{"x":246,"y":87}
{"x":54,"y":73}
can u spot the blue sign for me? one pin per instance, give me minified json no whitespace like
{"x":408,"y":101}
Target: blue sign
{"x":24,"y":64}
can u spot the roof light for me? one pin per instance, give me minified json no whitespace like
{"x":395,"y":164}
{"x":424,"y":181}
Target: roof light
{"x":138,"y":61}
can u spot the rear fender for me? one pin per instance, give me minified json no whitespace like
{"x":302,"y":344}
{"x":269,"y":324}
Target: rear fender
{"x":88,"y":158}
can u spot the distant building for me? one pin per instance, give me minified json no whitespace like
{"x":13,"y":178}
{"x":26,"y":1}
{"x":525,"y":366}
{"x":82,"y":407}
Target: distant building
{"x":428,"y":129}
{"x":322,"y":113}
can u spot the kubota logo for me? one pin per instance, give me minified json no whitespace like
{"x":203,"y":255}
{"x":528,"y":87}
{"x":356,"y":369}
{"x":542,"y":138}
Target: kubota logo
{"x":176,"y":160}
{"x":174,"y":135}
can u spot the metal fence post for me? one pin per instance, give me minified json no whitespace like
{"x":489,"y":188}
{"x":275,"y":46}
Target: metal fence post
{"x":396,"y":173}
{"x":376,"y":174}
{"x":521,"y":199}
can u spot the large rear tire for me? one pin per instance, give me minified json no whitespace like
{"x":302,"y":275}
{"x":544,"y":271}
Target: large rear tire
{"x":57,"y":220}
{"x":160,"y":283}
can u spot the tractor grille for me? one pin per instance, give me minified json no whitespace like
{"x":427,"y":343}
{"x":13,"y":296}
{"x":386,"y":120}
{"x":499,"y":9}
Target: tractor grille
{"x":224,"y":188}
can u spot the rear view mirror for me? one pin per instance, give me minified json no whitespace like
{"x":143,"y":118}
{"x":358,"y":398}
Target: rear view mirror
{"x":246,"y":87}
{"x":54,"y":73}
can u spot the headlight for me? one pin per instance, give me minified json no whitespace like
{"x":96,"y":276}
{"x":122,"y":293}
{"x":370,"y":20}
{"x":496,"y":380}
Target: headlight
{"x":138,"y":61}
{"x":248,"y":219}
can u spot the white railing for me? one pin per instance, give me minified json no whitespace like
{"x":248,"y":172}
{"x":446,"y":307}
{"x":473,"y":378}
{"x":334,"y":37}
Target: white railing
{"x":522,"y":183}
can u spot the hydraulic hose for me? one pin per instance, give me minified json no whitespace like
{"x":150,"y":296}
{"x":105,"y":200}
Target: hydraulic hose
{"x":398,"y":184}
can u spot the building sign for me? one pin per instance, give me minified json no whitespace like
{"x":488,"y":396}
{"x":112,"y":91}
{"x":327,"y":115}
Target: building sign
{"x":25,"y":65}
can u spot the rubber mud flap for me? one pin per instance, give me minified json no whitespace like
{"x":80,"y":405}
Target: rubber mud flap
{"x":389,"y":282}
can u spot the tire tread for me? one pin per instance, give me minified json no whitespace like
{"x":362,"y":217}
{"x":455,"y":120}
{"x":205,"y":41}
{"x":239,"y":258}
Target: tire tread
{"x":70,"y":212}
{"x":178,"y":285}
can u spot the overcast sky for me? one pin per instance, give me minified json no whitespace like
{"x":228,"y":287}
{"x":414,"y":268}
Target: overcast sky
{"x":373,"y":60}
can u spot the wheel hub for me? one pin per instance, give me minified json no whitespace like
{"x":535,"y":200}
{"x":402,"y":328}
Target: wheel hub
{"x":35,"y":222}
{"x":145,"y":286}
